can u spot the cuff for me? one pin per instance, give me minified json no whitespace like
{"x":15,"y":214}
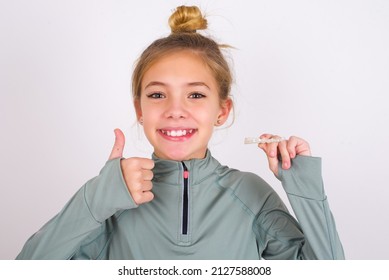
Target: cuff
{"x":108,"y":193}
{"x":303,"y":178}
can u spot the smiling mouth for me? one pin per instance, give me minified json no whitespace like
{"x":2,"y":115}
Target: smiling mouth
{"x":177,"y":133}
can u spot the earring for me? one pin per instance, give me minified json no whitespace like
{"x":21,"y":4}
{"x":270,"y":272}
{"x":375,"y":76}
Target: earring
{"x":141,"y":120}
{"x":218,"y":122}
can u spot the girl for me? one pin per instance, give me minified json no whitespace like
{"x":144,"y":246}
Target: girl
{"x":182,"y":203}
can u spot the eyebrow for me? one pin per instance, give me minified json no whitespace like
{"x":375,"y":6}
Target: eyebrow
{"x":192,"y":84}
{"x":154,"y":84}
{"x":196,"y":84}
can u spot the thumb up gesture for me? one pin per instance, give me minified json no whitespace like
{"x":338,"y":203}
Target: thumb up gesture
{"x":137,"y":172}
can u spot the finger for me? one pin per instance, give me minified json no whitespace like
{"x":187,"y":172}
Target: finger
{"x":147,"y":186}
{"x":265,"y":147}
{"x":143,"y":197}
{"x":271,"y":152}
{"x":285,"y":156}
{"x":298,"y":146}
{"x":118,"y":147}
{"x":273,"y":147}
{"x":273,"y":164}
{"x":136,"y":186}
{"x":147,"y":197}
{"x":144,"y":163}
{"x":291,"y":146}
{"x":147,"y":175}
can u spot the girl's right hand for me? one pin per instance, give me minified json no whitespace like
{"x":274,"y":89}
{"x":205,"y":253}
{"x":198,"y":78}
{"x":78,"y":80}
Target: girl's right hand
{"x":137,"y":172}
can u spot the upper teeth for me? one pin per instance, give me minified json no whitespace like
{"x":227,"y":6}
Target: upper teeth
{"x":174,"y":133}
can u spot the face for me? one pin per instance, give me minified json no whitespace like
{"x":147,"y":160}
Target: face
{"x":180,"y":106}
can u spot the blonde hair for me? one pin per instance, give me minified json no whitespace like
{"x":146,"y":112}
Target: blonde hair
{"x":184,"y":22}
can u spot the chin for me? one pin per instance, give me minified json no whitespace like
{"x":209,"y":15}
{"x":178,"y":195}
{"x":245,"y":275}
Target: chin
{"x":176,"y":156}
{"x":179,"y":155}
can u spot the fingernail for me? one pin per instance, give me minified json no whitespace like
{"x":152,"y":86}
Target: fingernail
{"x":286,"y":165}
{"x":272,"y":153}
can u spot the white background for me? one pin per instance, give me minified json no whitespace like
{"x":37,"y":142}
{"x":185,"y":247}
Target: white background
{"x":316,"y":69}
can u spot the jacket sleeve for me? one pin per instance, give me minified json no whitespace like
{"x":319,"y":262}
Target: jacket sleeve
{"x":304,"y":187}
{"x":96,"y":201}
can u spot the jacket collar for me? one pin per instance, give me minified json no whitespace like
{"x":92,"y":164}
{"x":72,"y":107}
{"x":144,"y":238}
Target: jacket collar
{"x":171,"y":172}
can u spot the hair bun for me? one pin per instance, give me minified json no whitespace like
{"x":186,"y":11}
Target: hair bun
{"x":187,"y":19}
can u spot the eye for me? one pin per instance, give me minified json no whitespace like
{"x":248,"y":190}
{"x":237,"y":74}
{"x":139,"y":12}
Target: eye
{"x":196,"y":95}
{"x":156,"y":95}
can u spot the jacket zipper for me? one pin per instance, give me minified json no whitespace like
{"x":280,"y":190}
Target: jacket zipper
{"x":185,"y":202}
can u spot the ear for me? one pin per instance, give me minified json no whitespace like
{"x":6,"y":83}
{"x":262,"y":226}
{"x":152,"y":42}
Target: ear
{"x":138,"y":109}
{"x":225,"y":109}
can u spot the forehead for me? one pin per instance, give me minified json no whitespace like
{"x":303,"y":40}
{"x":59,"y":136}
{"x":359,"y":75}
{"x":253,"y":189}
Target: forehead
{"x":180,"y":67}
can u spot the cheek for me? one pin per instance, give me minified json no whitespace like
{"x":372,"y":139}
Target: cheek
{"x":149,"y":111}
{"x":207,"y":115}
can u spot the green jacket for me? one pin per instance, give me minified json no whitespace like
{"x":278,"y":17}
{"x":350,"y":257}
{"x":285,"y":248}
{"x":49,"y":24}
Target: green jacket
{"x":200,"y":210}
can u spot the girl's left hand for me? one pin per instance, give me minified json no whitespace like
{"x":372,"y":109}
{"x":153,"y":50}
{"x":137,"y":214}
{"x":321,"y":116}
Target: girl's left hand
{"x":284,"y":150}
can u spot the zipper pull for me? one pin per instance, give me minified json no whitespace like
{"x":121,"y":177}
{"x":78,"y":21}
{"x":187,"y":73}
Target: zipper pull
{"x":186,"y":174}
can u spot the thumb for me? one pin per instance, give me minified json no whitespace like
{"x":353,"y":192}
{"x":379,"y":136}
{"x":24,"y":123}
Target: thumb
{"x":118,"y":146}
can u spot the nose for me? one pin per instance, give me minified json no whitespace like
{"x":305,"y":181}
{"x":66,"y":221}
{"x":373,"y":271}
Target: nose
{"x":176,"y":109}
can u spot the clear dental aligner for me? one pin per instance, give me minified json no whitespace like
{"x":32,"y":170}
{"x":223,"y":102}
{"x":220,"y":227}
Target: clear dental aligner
{"x":257,"y":140}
